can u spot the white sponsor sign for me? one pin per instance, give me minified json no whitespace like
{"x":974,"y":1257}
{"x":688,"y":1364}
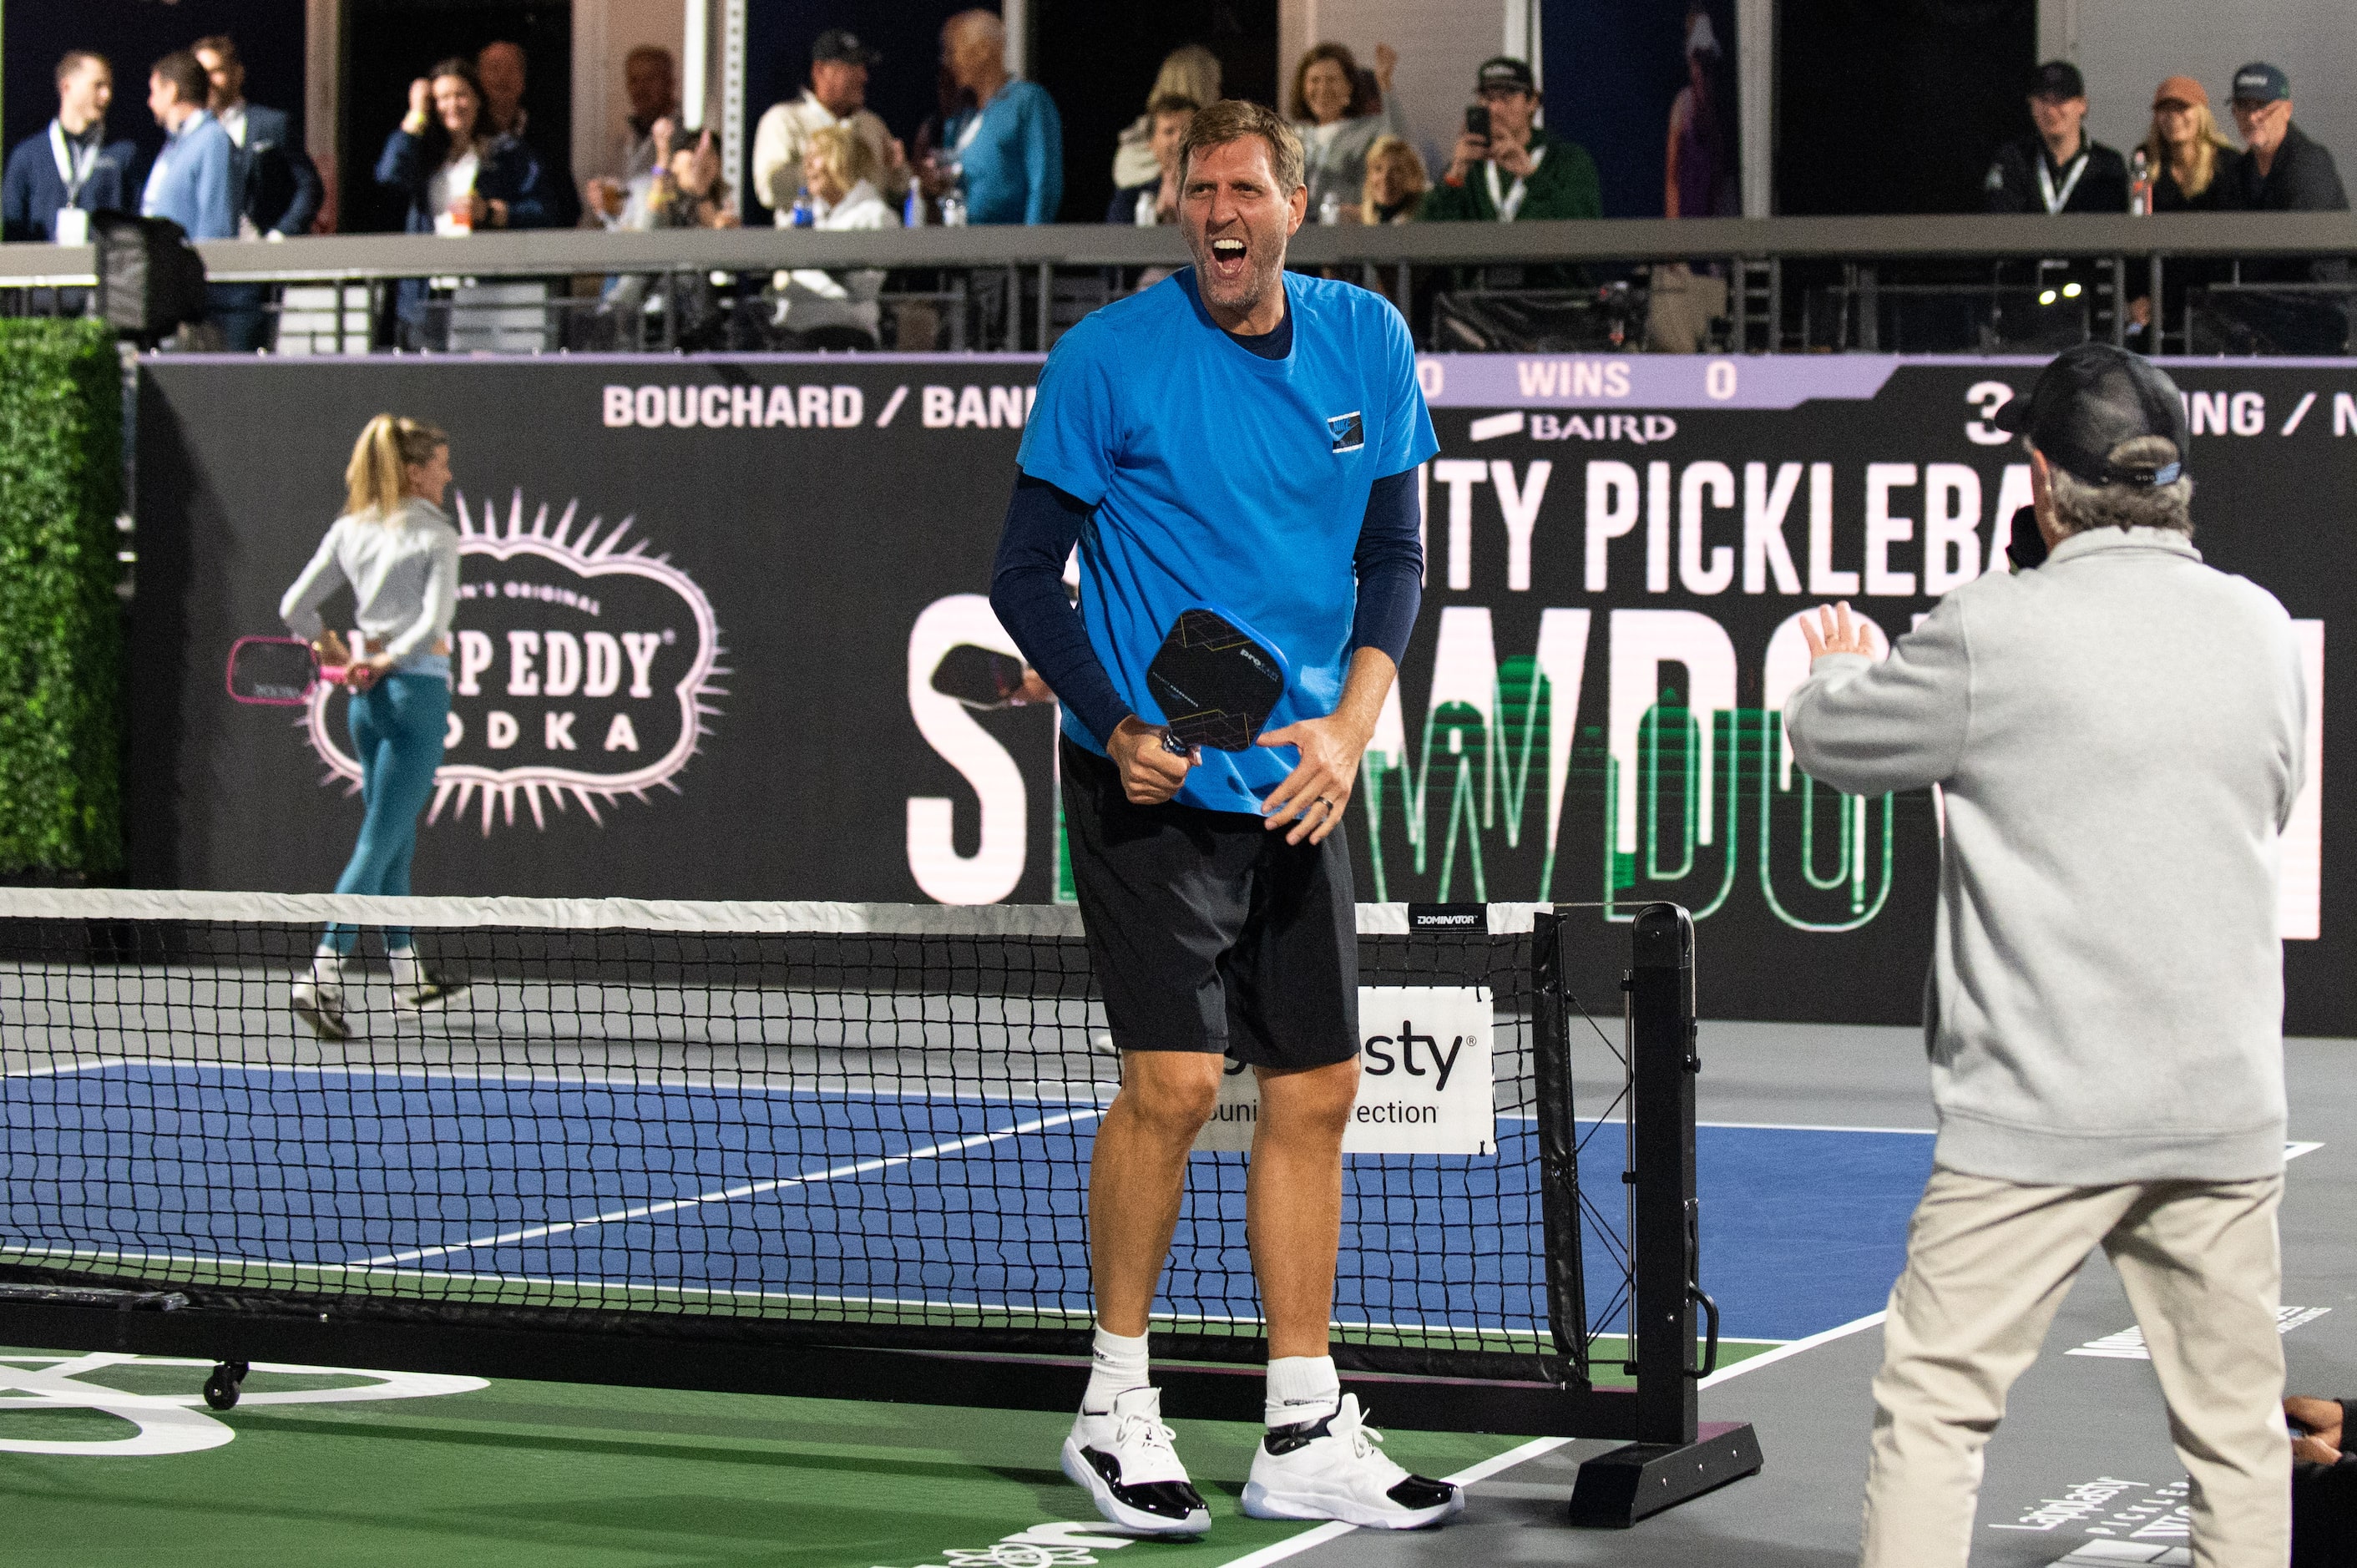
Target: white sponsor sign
{"x":1423,"y":1086}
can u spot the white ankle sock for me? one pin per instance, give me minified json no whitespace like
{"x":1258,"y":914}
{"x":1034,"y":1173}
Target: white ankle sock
{"x":328,"y":968}
{"x":1116,"y":1365}
{"x":1302,"y":1390}
{"x":408,"y":974}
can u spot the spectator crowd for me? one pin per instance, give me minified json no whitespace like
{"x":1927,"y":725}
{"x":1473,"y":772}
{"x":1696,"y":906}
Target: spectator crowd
{"x":466,"y":158}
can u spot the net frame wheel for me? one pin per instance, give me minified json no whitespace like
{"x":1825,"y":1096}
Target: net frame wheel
{"x":228,"y":1379}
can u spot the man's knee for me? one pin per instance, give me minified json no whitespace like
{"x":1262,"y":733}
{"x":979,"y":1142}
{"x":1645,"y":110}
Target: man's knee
{"x":1172,"y":1093}
{"x":1309,"y":1102}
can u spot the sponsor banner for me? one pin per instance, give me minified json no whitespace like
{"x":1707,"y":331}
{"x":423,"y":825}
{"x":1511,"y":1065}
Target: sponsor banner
{"x":1424,"y":1078}
{"x":725,"y":636}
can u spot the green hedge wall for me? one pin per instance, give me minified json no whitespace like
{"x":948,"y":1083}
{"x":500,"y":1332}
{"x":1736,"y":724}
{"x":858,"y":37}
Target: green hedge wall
{"x":60,"y":622}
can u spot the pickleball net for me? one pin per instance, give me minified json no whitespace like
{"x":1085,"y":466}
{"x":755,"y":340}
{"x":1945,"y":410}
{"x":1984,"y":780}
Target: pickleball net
{"x":862,"y":1125}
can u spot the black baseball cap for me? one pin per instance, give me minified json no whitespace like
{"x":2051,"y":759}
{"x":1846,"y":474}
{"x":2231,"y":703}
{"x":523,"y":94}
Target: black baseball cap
{"x":2090,"y":399}
{"x":841,"y":45}
{"x":2259,"y":82}
{"x":2057,"y":79}
{"x":1504,"y":71}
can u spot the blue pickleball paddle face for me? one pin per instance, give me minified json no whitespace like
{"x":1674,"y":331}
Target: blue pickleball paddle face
{"x":1217,"y":682}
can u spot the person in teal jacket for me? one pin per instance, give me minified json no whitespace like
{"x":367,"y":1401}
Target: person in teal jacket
{"x":1007,"y":153}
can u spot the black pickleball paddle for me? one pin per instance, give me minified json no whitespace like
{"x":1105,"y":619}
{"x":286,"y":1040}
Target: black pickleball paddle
{"x":275,"y":671}
{"x":1217,"y":682}
{"x":978,"y":677}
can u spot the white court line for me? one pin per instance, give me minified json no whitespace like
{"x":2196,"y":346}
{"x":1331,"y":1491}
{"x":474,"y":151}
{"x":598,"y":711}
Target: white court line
{"x":712,"y":1082}
{"x":728,"y":1194}
{"x":1793,"y":1347}
{"x":1755,"y":1126}
{"x":81,"y":1064}
{"x":1481,"y":1471}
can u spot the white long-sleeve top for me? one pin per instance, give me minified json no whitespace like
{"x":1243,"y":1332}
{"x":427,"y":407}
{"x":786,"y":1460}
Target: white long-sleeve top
{"x":2119,"y":738}
{"x":403,"y":572}
{"x":817,"y":298}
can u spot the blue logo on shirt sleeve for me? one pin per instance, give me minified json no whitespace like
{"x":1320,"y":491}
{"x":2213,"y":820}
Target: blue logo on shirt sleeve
{"x":1348,"y":430}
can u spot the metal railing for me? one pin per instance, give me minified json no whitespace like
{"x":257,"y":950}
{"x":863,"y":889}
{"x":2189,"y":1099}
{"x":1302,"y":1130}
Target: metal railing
{"x":1770,"y":266}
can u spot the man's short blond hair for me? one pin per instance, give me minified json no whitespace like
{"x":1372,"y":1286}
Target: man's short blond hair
{"x":1233,"y":119}
{"x":840,"y":151}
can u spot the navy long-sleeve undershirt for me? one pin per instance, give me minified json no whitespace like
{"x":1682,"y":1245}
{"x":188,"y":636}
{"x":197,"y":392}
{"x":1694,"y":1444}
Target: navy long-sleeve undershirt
{"x":1043,"y":524}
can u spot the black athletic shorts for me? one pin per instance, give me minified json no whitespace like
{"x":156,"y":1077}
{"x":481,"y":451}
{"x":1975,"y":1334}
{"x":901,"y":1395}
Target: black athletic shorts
{"x":1208,"y":933}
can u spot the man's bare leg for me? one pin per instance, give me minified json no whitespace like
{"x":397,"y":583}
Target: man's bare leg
{"x":1293,"y":1200}
{"x":1119,"y":1449}
{"x":1139,"y":1174}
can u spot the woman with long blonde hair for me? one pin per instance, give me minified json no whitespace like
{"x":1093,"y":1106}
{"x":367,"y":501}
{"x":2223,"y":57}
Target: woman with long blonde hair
{"x":2192,"y":162}
{"x":395,"y":546}
{"x":2193,"y":169}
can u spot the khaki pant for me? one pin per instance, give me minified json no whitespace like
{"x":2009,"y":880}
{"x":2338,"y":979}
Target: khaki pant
{"x":1681,"y":306}
{"x":1989,"y":1261}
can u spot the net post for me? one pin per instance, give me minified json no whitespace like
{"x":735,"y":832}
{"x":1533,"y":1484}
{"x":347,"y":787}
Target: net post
{"x":1676,"y":1456}
{"x":1567,"y":1287}
{"x":1662,"y":1143}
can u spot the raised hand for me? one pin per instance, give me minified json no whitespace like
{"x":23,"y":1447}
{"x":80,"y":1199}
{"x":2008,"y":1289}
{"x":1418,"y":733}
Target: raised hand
{"x":1833,"y":631}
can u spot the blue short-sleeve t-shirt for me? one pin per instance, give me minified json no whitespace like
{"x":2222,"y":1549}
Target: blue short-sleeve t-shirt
{"x":1220,"y":478}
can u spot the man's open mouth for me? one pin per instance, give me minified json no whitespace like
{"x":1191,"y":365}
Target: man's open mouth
{"x":1228,"y":255}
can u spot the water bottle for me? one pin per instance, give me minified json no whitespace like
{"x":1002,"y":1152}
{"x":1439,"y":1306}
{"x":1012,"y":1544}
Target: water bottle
{"x":953,"y":202}
{"x":1330,"y":209}
{"x":912,"y":209}
{"x":2140,"y":184}
{"x":801,"y":217}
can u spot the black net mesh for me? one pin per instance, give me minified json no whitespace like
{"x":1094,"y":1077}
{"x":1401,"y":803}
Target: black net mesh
{"x":860,"y":1137}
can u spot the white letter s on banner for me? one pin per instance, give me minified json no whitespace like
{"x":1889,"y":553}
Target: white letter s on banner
{"x":997,"y":864}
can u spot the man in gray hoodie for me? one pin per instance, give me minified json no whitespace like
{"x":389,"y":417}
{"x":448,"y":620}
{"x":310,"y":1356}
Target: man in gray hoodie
{"x":2117,"y":736}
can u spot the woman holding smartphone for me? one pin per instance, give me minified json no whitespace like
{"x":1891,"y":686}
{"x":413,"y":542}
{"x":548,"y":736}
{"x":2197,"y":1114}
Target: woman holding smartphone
{"x":397,"y":550}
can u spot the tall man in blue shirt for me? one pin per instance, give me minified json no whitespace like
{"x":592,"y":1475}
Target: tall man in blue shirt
{"x":57,"y":179}
{"x":194,"y":182}
{"x":1239,"y":437}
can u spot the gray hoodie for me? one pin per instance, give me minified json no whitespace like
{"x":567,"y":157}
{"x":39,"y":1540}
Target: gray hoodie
{"x":2118,"y":738}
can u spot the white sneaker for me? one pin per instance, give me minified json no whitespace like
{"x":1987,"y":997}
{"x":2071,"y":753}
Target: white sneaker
{"x":1334,"y":1469}
{"x":322,"y":1007}
{"x":1124,"y":1458}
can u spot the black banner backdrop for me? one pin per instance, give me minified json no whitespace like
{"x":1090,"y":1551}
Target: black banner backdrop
{"x":705,"y":603}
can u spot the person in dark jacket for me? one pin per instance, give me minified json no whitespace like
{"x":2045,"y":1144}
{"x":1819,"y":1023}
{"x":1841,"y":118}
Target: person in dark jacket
{"x":277,"y":188}
{"x":500,"y":68}
{"x":2323,"y":1482}
{"x":2285,"y":171}
{"x":2060,"y":169}
{"x":71,"y":166}
{"x":2194,"y":168}
{"x":458,"y":177}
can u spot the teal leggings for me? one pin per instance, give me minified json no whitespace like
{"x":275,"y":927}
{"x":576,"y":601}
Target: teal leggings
{"x":397,"y":729}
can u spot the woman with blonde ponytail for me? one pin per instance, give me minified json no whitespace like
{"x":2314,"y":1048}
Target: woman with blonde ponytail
{"x":395,"y":546}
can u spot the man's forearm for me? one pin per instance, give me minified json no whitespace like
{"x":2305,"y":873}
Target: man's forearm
{"x":1364,"y":690}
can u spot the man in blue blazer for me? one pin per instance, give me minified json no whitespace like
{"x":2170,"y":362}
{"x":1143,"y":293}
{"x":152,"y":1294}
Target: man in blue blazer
{"x":71,"y":166}
{"x":278,"y":188}
{"x":278,"y":184}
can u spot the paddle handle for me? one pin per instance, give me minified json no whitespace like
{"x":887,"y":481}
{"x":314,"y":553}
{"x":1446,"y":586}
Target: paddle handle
{"x":1174,"y":745}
